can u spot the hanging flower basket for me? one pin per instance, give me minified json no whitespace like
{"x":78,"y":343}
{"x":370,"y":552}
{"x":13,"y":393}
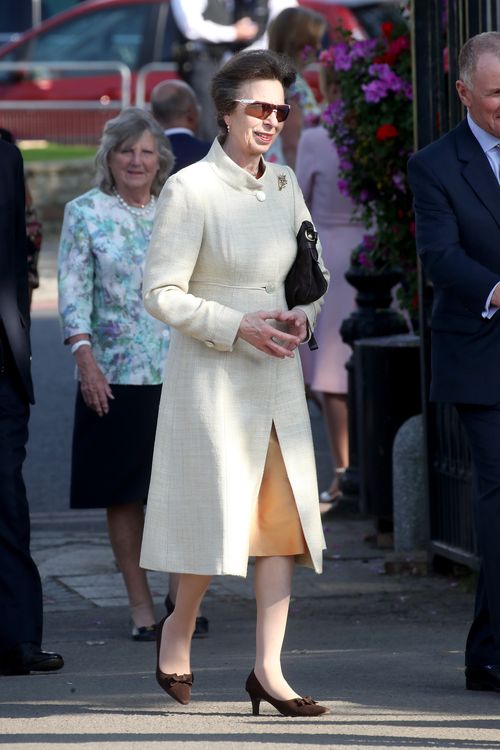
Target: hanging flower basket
{"x":372,"y":126}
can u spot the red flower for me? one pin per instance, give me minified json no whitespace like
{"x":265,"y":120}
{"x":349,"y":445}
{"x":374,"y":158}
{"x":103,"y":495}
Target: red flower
{"x":446,"y":60}
{"x":394,"y":51}
{"x":384,"y":132}
{"x":387,"y":28}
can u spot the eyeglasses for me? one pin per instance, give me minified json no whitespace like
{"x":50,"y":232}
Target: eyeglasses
{"x":262,"y":110}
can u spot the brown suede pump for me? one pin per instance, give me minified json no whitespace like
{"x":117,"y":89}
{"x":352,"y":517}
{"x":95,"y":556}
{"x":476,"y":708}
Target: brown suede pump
{"x":295,"y":707}
{"x":177,"y":686}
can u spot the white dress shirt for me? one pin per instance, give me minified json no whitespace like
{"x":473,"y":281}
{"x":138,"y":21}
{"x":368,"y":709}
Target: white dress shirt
{"x":178,"y":131}
{"x":189,"y":18}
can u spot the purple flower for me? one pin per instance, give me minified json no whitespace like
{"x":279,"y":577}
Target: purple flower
{"x":333,"y":113}
{"x":369,"y":242}
{"x":374,"y":91}
{"x":363,"y":48}
{"x":343,"y":187}
{"x":408,"y":90}
{"x":364,"y":196}
{"x":364,"y":260}
{"x":398,"y":181}
{"x":342,"y":57}
{"x":345,"y":165}
{"x":382,"y":71}
{"x":385,"y":80}
{"x":307,"y":53}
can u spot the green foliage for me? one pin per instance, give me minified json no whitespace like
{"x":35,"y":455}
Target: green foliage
{"x":56,"y":152}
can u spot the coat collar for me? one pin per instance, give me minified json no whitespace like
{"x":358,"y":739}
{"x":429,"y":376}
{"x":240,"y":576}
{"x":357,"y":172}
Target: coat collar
{"x":476,"y":169}
{"x":231,"y":173}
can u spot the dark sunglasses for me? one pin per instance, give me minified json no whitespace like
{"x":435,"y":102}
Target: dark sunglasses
{"x":262,"y":110}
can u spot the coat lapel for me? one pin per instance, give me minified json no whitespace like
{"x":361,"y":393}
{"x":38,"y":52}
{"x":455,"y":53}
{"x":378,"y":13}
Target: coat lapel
{"x":477,"y":171}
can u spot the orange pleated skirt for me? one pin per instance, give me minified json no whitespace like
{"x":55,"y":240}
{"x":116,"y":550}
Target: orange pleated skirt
{"x":276,"y":528}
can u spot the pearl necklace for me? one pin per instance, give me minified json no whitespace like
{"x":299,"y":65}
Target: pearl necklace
{"x":139,"y":211}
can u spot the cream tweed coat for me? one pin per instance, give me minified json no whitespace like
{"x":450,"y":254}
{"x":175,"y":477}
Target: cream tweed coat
{"x":222,"y":244}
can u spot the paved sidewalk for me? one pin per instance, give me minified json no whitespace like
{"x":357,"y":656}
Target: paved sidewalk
{"x":384,"y":653}
{"x":75,"y":560}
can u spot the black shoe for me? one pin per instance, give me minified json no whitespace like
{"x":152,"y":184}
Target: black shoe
{"x":483,"y":678}
{"x":144,"y":633}
{"x":29,"y":657}
{"x":201,"y":627}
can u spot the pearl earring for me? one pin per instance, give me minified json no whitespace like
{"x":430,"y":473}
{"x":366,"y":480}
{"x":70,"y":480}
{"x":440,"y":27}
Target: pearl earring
{"x":228,"y":126}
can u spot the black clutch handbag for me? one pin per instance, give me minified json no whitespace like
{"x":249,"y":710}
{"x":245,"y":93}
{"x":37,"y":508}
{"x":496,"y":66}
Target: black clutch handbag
{"x":305,"y":282}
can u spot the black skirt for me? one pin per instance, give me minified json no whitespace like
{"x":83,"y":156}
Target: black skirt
{"x":112,"y":455}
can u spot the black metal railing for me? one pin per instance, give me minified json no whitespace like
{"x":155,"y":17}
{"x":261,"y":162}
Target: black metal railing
{"x":440,"y":28}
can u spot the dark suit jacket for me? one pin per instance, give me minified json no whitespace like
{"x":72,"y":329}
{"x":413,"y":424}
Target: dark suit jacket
{"x":14,"y":304}
{"x":187,"y":149}
{"x":457,"y":206}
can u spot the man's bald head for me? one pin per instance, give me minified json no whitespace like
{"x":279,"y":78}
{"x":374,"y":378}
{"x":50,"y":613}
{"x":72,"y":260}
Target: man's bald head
{"x":174,"y":105}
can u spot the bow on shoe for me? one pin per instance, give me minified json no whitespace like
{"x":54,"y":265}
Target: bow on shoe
{"x":306,"y":701}
{"x":187,"y":679}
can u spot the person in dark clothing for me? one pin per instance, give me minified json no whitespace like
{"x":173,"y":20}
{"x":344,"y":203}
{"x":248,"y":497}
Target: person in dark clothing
{"x":34,"y":230}
{"x":208,"y":32}
{"x":20,"y":585}
{"x":175,"y":106}
{"x":456,"y":185}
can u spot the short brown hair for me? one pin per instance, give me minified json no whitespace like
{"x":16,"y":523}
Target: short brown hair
{"x":294,"y":29}
{"x":255,"y":65}
{"x":473,"y":48}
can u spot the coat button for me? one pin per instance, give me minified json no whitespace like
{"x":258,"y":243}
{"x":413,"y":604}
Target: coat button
{"x":261,"y":196}
{"x":210,"y":344}
{"x":270,"y":287}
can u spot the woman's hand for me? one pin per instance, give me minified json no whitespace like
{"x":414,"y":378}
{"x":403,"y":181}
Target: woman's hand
{"x":93,"y":384}
{"x":255,"y":330}
{"x":296,"y":321}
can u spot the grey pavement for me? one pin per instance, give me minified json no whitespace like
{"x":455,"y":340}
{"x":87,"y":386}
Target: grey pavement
{"x":385,"y":653}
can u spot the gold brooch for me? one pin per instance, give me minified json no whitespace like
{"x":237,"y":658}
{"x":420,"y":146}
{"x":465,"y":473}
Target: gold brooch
{"x":282,"y":181}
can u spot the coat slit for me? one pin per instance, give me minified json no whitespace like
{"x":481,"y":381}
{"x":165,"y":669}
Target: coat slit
{"x":276,"y":527}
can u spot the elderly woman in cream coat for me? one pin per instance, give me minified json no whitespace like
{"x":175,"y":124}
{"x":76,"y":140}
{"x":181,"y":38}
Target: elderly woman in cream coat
{"x":233,"y":469}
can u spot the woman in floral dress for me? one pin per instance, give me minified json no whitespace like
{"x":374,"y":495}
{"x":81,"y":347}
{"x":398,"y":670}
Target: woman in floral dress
{"x":118,"y":347}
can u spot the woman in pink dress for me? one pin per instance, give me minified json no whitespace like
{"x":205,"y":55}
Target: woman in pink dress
{"x":324,"y":369}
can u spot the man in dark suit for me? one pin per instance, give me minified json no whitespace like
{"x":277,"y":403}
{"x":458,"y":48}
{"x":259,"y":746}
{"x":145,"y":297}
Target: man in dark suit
{"x":175,"y":107}
{"x":20,"y":586}
{"x":455,"y":182}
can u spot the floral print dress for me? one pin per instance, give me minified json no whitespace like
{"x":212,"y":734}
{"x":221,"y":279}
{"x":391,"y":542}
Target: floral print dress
{"x":101,"y":259}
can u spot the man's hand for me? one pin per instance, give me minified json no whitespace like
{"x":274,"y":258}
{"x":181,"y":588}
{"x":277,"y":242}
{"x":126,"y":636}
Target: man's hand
{"x":495,"y":300}
{"x":245,"y":29}
{"x":255,"y":330}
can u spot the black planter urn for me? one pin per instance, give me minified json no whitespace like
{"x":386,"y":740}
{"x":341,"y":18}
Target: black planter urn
{"x":372,"y":317}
